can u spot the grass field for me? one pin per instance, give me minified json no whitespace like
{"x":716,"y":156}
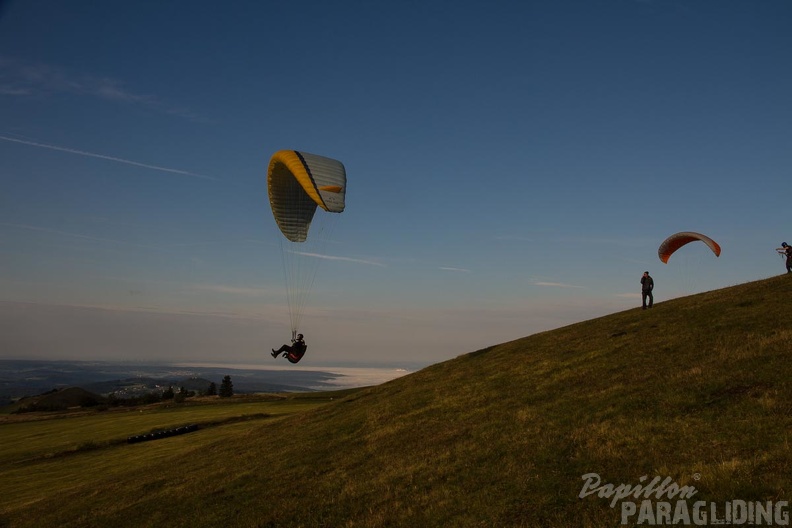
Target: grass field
{"x":66,"y":448}
{"x":696,"y":389}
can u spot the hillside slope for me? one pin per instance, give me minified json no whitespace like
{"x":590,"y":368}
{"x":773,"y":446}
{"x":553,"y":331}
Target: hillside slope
{"x":696,"y":389}
{"x":59,"y":399}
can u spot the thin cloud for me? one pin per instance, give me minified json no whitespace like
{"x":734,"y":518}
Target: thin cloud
{"x":556,"y":284}
{"x":73,"y":235}
{"x":515,"y":238}
{"x":460,"y":270}
{"x":218,"y":242}
{"x":343,"y":259}
{"x":109,"y":158}
{"x":35,"y":79}
{"x":10,"y":90}
{"x":142,"y":287}
{"x":24,"y":79}
{"x":158,"y":310}
{"x":232,"y":290}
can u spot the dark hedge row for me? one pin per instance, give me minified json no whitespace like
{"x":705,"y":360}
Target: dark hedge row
{"x":162,"y":434}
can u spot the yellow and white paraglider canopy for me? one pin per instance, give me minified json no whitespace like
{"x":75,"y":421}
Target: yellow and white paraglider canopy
{"x":298,"y":182}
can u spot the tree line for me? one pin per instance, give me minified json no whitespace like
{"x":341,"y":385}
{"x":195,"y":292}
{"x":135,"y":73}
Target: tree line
{"x":226,"y":391}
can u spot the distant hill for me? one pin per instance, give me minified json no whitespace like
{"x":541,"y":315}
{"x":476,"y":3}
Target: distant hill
{"x":19,"y":378}
{"x":59,"y":400}
{"x":137,"y":386}
{"x":195,"y":384}
{"x":696,"y":390}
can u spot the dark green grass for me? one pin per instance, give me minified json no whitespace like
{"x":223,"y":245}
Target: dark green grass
{"x":695,"y":389}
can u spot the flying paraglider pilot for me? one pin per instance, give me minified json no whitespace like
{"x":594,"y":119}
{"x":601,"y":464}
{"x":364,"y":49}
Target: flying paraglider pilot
{"x":786,"y":249}
{"x":299,"y":186}
{"x":293,"y":353}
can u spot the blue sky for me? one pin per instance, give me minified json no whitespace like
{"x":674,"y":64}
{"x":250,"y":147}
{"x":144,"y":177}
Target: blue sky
{"x":512,"y":167}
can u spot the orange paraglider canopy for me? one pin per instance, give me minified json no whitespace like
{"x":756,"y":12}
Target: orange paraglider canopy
{"x":676,"y":241}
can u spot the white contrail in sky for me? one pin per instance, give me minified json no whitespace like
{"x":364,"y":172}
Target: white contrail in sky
{"x":344,"y":259}
{"x":216,"y":288}
{"x":556,"y":284}
{"x":110,"y":158}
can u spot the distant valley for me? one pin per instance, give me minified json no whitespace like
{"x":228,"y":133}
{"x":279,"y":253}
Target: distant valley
{"x":21,"y":378}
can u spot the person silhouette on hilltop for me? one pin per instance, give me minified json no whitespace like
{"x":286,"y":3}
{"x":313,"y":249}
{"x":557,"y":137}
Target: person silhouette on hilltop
{"x":647,"y":285}
{"x":786,"y":249}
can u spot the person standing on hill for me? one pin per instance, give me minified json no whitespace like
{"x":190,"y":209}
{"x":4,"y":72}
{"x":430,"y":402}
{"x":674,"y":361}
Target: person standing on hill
{"x":647,"y":285}
{"x":786,"y":249}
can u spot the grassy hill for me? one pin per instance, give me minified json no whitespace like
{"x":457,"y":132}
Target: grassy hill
{"x":58,"y":399}
{"x":696,"y":389}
